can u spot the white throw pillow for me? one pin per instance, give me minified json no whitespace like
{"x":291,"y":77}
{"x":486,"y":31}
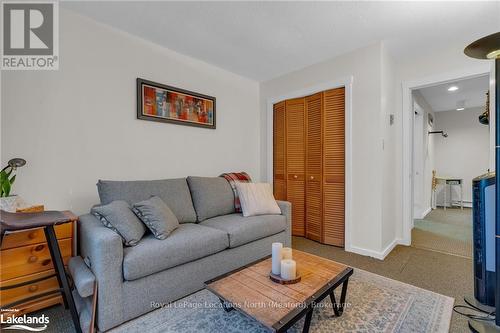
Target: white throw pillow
{"x":257,"y":199}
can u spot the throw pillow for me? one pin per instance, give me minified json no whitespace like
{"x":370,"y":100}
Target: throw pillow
{"x":257,"y":199}
{"x":157,"y":216}
{"x":233,"y":178}
{"x":118,"y":216}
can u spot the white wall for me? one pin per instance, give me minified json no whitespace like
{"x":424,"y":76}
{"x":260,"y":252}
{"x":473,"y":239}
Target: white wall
{"x":77,"y":125}
{"x":465,"y":152}
{"x":390,"y":222}
{"x":427,"y":65}
{"x":422,"y":205}
{"x":365,"y":66}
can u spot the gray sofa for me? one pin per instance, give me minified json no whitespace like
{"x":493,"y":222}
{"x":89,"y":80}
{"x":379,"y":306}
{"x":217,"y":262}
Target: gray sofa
{"x":211,"y":240}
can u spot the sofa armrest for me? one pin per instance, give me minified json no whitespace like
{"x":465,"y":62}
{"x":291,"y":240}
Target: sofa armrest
{"x":102,"y":250}
{"x":286,"y":210}
{"x":82,"y":276}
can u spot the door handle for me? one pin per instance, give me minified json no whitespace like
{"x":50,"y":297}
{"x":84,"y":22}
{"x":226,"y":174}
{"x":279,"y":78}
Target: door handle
{"x":311,"y":178}
{"x":295,"y":176}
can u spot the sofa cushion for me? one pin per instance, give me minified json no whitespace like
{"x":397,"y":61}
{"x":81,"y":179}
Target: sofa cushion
{"x":157,"y":216}
{"x":186,"y":243}
{"x":242,"y":230}
{"x":118,"y":216}
{"x":174,"y":192}
{"x":212,"y":196}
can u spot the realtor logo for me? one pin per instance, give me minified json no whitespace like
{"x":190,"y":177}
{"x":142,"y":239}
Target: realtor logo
{"x":30,"y":35}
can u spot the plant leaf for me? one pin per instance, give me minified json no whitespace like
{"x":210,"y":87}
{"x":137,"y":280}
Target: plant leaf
{"x":3,"y":180}
{"x":12,"y":180}
{"x":6,"y":188}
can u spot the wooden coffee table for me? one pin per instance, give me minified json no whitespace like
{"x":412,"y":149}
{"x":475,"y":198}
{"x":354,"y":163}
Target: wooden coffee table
{"x":250,"y":291}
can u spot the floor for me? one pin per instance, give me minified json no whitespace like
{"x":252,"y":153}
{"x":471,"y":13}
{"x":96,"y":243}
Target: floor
{"x":447,"y":231}
{"x":442,"y":273}
{"x":446,"y":274}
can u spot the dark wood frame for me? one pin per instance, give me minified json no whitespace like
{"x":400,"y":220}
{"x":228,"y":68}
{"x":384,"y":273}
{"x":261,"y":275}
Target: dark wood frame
{"x":140,"y":115}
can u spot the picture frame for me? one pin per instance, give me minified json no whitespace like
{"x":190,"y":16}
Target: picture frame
{"x":167,"y":104}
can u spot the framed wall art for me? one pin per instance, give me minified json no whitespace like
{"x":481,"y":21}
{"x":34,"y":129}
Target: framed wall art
{"x":158,"y":102}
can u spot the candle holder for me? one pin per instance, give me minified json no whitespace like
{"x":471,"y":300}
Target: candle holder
{"x":280,"y":280}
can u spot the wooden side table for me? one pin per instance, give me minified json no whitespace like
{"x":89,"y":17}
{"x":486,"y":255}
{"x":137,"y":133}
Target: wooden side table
{"x":25,"y":258}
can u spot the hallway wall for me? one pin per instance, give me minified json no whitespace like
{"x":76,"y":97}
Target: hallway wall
{"x":464,"y":153}
{"x":422,"y":205}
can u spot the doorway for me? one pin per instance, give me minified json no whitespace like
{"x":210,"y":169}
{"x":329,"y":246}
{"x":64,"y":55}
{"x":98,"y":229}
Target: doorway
{"x":450,"y":149}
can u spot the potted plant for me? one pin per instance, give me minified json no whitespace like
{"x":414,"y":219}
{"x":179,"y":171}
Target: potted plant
{"x":9,"y":202}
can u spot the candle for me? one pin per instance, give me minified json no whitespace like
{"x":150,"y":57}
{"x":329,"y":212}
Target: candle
{"x":288,"y":269}
{"x":286,"y":253}
{"x":276,"y":258}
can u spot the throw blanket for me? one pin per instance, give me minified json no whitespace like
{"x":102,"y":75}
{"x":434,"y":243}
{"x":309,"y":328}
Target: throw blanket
{"x":232,"y":178}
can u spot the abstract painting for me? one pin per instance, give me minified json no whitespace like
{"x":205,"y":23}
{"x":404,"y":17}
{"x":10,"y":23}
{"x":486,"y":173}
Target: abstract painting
{"x":158,"y":102}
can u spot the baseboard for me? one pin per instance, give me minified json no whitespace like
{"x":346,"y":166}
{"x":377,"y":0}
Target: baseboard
{"x":389,"y":248}
{"x":375,"y":254}
{"x":424,"y":214}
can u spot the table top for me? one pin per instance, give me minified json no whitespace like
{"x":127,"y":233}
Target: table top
{"x":250,"y":290}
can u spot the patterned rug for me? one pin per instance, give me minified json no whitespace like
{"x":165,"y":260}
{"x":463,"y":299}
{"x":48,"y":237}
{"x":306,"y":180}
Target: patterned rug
{"x":374,"y":304}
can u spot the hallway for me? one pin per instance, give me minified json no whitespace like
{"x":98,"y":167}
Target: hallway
{"x":448,"y":232}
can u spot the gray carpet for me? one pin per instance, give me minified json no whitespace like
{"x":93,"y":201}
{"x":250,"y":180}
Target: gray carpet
{"x":374,"y":304}
{"x":442,"y":273}
{"x":447,"y":231}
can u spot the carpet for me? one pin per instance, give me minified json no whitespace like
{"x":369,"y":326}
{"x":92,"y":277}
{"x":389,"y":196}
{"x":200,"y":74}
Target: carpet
{"x":374,"y":304}
{"x":443,"y":231}
{"x":428,"y":240}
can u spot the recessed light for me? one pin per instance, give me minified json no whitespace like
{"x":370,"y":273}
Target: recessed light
{"x":460,"y":109}
{"x":453,"y":88}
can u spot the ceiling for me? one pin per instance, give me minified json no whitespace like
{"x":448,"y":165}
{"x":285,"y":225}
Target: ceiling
{"x":262,"y":40}
{"x":471,"y":93}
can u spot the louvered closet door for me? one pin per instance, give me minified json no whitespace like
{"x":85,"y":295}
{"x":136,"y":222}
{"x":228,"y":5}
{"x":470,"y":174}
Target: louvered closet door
{"x":295,"y":160}
{"x":334,"y":166}
{"x":314,"y":205}
{"x":279,"y":153}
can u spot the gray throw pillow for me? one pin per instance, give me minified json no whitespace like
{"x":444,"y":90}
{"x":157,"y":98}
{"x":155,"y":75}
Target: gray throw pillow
{"x":118,"y":216}
{"x":157,"y":216}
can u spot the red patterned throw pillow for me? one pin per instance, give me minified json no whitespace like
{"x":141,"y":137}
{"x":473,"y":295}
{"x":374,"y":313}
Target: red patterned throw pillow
{"x":232,"y":178}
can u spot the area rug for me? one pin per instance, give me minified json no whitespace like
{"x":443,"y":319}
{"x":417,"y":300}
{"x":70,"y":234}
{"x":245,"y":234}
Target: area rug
{"x":374,"y":304}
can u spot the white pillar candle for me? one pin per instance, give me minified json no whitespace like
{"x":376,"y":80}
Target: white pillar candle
{"x":276,"y":258}
{"x":286,"y":253}
{"x":288,"y":269}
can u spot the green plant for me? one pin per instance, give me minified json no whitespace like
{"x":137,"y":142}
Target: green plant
{"x":8,"y":176}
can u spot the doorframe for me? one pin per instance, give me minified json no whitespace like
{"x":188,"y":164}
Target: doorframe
{"x":345,"y":82}
{"x":419,"y":155}
{"x":407,"y":134}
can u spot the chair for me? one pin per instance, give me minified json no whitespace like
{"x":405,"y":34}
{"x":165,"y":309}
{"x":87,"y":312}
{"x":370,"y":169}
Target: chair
{"x":15,"y":222}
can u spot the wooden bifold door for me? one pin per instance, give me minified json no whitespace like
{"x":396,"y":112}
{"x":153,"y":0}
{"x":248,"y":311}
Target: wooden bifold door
{"x":309,"y":163}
